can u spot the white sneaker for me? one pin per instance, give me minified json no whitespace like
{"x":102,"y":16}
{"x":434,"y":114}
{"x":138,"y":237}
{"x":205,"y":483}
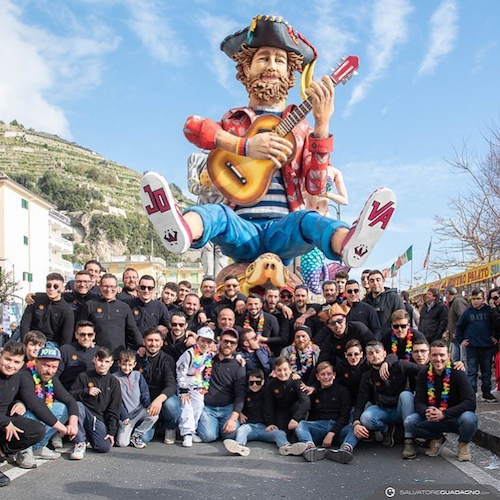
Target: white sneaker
{"x":46,"y":453}
{"x":79,"y":451}
{"x":187,"y":442}
{"x":169,"y":436}
{"x":160,"y":205}
{"x":234,"y":447}
{"x":197,"y":439}
{"x":57,"y":441}
{"x":369,"y":227}
{"x":293,"y":449}
{"x":25,"y":459}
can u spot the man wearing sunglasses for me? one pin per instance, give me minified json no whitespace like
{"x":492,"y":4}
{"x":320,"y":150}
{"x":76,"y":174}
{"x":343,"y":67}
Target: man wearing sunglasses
{"x":333,"y":337}
{"x":390,"y":402}
{"x":78,"y":356}
{"x":226,"y":395}
{"x":178,"y":339}
{"x":147,"y":311}
{"x":50,"y":314}
{"x":361,"y":311}
{"x":400,"y":338}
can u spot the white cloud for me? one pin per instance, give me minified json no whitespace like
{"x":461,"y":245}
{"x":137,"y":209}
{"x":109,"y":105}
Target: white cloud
{"x":444,"y":34}
{"x":215,"y":30}
{"x":481,"y":54}
{"x":153,"y":27}
{"x":389,"y":30}
{"x":39,"y":69}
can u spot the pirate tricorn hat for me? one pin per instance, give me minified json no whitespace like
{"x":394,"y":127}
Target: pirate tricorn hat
{"x":270,"y":31}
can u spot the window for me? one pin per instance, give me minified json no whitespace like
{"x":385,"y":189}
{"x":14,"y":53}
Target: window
{"x":24,"y":203}
{"x":25,"y":238}
{"x":27,"y":277}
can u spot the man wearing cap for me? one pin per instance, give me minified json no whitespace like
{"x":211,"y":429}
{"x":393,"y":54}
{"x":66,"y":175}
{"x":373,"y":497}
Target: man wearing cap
{"x":226,"y":395}
{"x":40,"y":375}
{"x":267,"y":54}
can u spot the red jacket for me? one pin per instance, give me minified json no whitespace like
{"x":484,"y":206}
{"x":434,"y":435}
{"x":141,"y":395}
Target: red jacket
{"x":308,"y":170}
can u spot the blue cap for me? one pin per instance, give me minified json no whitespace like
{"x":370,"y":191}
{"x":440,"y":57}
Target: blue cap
{"x":49,"y":353}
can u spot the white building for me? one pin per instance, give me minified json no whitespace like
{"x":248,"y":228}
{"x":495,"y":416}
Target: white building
{"x":31,"y":242}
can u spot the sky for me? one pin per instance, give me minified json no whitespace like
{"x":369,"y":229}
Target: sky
{"x":121,"y":77}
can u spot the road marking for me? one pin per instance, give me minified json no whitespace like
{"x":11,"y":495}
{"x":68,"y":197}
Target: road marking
{"x":470,"y":469}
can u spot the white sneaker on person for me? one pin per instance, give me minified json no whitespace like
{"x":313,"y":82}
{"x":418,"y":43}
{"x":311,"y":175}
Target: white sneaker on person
{"x":187,"y":441}
{"x":369,"y":227}
{"x":57,"y":441}
{"x":137,"y":442}
{"x":161,"y":207}
{"x":79,"y":451}
{"x":46,"y":453}
{"x":236,"y":448}
{"x":293,"y":449}
{"x":169,"y":436}
{"x":25,"y":459}
{"x":197,"y":439}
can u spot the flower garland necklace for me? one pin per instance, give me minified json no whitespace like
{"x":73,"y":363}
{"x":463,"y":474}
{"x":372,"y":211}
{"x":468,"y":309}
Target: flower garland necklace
{"x":408,"y":348}
{"x":307,"y":363}
{"x":260,"y":322}
{"x":48,"y":393}
{"x":202,"y":365}
{"x":431,"y":390}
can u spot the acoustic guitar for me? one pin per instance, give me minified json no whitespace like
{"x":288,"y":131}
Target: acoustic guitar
{"x":244,"y":181}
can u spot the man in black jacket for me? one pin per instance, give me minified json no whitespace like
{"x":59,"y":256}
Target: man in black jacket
{"x":50,"y":314}
{"x":226,"y":396}
{"x":361,"y":311}
{"x":391,"y":402}
{"x":114,"y":323}
{"x":384,"y":300}
{"x":158,"y":369}
{"x":444,"y":402}
{"x":433,"y":316}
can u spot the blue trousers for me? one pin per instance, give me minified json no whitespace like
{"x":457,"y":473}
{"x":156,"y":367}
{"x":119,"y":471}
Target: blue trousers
{"x":212,"y":421}
{"x":375,"y":418}
{"x":479,"y":358}
{"x":257,"y":432}
{"x":92,"y":429}
{"x":59,"y":411}
{"x":465,"y":426}
{"x":244,"y":240}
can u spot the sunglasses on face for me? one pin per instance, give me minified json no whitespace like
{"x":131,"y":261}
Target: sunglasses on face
{"x":374,"y":349}
{"x":255,"y":382}
{"x":148,"y":288}
{"x":495,"y":297}
{"x":285,"y":296}
{"x":177,"y":324}
{"x":229,"y":285}
{"x":356,"y":290}
{"x":55,"y":286}
{"x":229,"y":342}
{"x":85,"y":334}
{"x":402,"y":327}
{"x":336,"y":322}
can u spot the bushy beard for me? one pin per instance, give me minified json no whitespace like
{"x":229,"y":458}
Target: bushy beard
{"x":271,"y":92}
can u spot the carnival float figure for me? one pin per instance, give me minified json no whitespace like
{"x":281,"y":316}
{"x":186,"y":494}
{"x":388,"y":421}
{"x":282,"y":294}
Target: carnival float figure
{"x":263,"y":156}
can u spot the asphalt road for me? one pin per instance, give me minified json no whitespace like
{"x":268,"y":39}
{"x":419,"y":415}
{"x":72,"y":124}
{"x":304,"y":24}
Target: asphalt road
{"x":208,"y":472}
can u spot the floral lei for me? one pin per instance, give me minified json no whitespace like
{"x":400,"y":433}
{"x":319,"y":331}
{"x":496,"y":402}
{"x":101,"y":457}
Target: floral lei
{"x":431,"y":390}
{"x":308,"y":353}
{"x":260,"y":323}
{"x":48,"y":393}
{"x":408,"y":348}
{"x":202,"y":366}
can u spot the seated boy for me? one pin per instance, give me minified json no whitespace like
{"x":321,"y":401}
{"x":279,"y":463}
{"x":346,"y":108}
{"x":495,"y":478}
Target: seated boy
{"x":135,"y":402}
{"x":253,"y":427}
{"x":99,"y":400}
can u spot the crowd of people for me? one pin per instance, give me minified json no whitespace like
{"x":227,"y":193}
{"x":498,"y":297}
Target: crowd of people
{"x":106,"y":367}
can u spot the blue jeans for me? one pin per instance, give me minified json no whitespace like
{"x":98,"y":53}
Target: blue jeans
{"x":375,"y":418}
{"x":346,"y":435}
{"x":59,"y":411}
{"x":313,"y":431}
{"x":212,"y":421}
{"x":465,"y":426}
{"x":479,"y":357}
{"x":244,"y":240}
{"x":257,"y":432}
{"x":92,"y":429}
{"x":169,"y":416}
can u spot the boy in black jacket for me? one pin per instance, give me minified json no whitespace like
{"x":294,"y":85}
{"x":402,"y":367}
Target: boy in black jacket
{"x":99,"y":400}
{"x":444,"y":402}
